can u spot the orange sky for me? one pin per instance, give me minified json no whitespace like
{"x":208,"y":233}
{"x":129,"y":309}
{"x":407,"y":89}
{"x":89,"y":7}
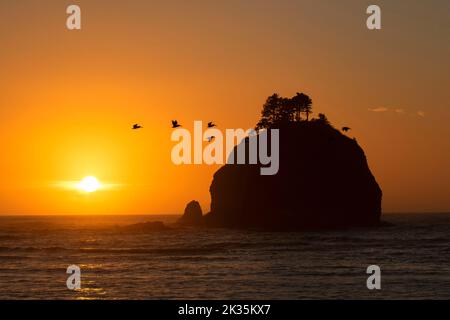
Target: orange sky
{"x":68,"y":98}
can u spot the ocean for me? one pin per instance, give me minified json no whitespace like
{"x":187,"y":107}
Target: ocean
{"x":35,"y":251}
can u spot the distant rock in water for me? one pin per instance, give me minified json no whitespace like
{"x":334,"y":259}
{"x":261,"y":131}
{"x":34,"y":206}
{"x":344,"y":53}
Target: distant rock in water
{"x":145,"y":227}
{"x":193,"y":214}
{"x":323,"y":182}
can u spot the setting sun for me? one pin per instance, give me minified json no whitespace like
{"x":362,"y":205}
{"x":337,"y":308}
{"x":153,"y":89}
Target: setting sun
{"x":89,"y":184}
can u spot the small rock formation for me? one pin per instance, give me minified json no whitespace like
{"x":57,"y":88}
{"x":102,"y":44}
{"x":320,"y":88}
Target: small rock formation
{"x":192,"y":214}
{"x":324,"y":182}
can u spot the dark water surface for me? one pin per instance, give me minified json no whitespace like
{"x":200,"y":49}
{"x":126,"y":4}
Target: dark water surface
{"x":414,"y":256}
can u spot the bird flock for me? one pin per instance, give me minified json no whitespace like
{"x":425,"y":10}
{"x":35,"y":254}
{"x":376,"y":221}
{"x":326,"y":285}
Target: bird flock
{"x":175,"y":125}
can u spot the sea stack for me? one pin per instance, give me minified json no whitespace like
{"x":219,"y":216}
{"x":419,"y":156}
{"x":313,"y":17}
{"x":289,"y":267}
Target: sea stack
{"x":324,"y":182}
{"x":192,"y":214}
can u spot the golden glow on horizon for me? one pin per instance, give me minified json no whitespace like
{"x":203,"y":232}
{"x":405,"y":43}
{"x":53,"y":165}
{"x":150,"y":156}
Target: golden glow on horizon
{"x":69,"y":98}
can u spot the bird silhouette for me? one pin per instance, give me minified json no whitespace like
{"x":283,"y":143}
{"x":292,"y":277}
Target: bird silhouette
{"x":136,"y":126}
{"x":346,"y":129}
{"x":211,"y":125}
{"x":175,"y":124}
{"x":209,"y":139}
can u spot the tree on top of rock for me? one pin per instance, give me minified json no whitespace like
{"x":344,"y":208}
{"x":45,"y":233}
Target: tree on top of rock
{"x":322,"y":119}
{"x":301,"y":103}
{"x":278,"y":111}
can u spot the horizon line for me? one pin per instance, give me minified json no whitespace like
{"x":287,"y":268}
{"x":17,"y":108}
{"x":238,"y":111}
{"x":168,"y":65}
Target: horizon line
{"x":172,"y":214}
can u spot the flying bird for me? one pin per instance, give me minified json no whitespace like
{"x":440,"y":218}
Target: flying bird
{"x":346,"y":129}
{"x":210,"y":138}
{"x":211,"y":125}
{"x":136,"y":126}
{"x":175,"y":124}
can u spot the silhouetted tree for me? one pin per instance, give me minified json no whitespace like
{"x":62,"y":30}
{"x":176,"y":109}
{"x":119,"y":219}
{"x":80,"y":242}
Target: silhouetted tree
{"x":302,"y":104}
{"x":275,"y":112}
{"x":279,"y":110}
{"x":323,"y":119}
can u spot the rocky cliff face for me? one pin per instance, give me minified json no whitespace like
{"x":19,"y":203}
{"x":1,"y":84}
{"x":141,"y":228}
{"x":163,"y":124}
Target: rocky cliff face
{"x":323,"y":182}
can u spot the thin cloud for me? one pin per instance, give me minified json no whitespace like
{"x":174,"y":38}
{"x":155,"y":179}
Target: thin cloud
{"x":398,"y":111}
{"x":379,"y":109}
{"x":421,"y":113}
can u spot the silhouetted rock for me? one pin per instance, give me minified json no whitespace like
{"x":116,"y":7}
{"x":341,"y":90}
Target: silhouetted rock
{"x":323,"y":182}
{"x":145,"y":227}
{"x":192,"y":214}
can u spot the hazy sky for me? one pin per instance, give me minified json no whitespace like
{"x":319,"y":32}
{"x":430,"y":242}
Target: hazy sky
{"x":68,"y":98}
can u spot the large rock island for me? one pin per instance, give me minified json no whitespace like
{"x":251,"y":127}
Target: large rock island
{"x":323,"y":182}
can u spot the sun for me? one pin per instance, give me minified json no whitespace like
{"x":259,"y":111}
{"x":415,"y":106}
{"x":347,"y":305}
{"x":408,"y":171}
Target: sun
{"x":89,"y":184}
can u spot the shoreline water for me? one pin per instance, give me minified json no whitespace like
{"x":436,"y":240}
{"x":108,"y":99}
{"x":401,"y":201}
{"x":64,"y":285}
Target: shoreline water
{"x":220,"y":263}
